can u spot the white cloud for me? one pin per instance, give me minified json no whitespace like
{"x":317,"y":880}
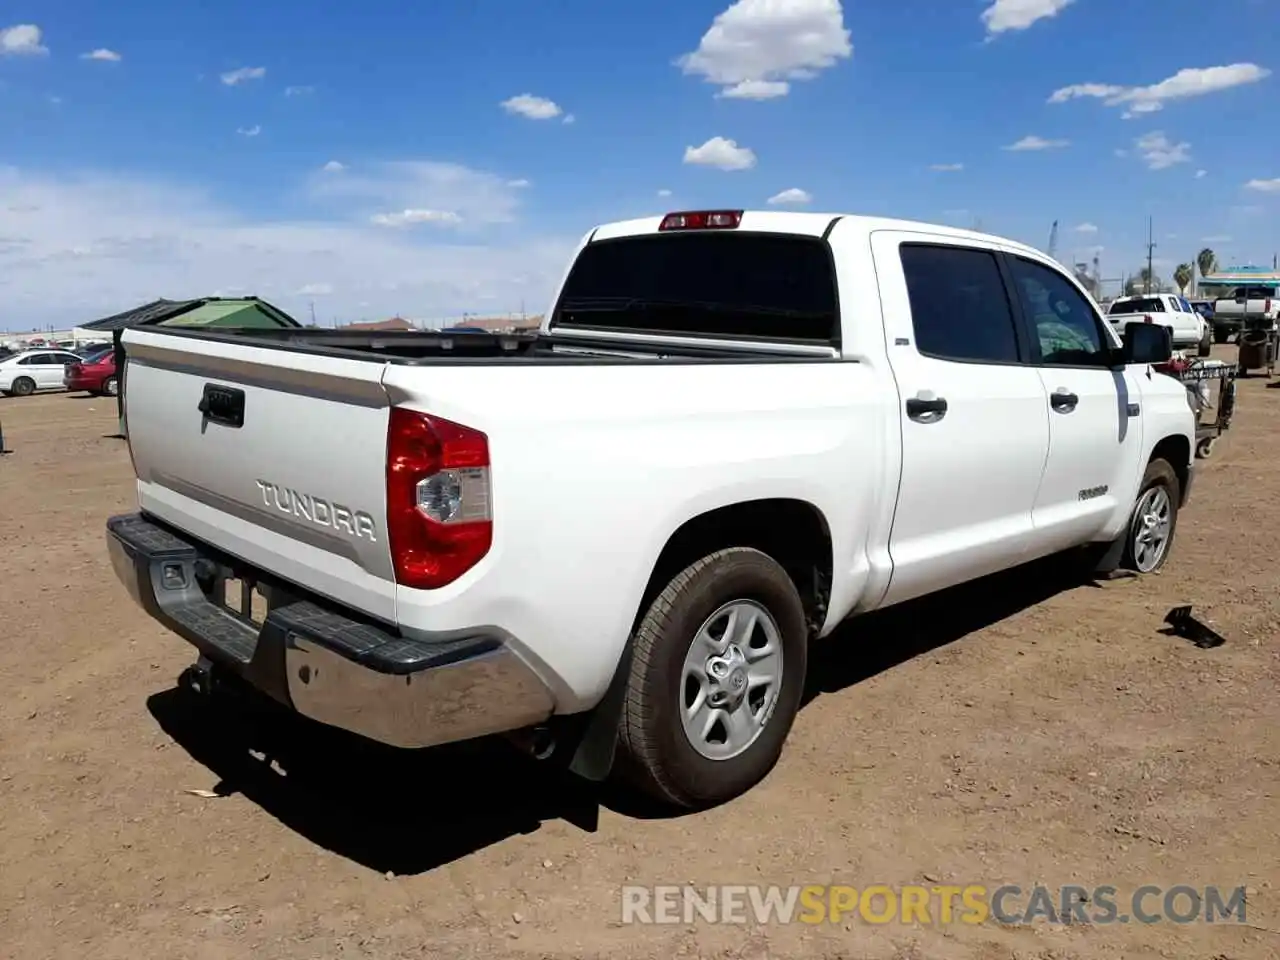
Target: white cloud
{"x":102,"y":53}
{"x":569,"y":118}
{"x":1200,"y":174}
{"x":22,"y":40}
{"x":249,"y":131}
{"x":1264,"y":186}
{"x":1188,"y":82}
{"x":333,"y":166}
{"x":946,"y":167}
{"x":664,"y":193}
{"x":1160,"y":152}
{"x":315,"y":290}
{"x":476,"y":197}
{"x":789,"y":196}
{"x":234,"y":78}
{"x":408,"y":217}
{"x":722,"y":153}
{"x":753,"y":48}
{"x":519,"y":184}
{"x":1037,"y":143}
{"x":81,"y":246}
{"x":534,"y":108}
{"x":755,"y":90}
{"x":1086,"y":228}
{"x":298,"y":91}
{"x":1005,"y":15}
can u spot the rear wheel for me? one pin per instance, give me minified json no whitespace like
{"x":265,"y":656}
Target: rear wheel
{"x":717,"y":675}
{"x":111,"y":386}
{"x":22,"y":387}
{"x":1206,"y":343}
{"x":1154,"y":519}
{"x":1221,"y":334}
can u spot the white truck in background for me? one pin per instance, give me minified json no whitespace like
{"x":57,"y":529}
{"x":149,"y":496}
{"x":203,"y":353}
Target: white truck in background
{"x":617,"y":538}
{"x":1188,"y":328}
{"x":1248,"y":307}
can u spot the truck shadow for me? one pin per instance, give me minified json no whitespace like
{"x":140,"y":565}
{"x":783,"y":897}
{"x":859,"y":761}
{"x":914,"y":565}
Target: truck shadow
{"x":408,"y":812}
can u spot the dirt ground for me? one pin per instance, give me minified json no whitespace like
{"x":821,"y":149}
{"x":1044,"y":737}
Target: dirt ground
{"x":1020,"y":730}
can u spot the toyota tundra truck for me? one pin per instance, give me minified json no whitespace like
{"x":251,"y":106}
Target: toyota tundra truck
{"x":616,"y":538}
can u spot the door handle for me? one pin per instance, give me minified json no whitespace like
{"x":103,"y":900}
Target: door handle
{"x":1063,"y":400}
{"x":924,"y":410}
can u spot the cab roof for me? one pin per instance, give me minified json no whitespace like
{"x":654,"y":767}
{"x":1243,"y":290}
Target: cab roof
{"x":809,"y":225}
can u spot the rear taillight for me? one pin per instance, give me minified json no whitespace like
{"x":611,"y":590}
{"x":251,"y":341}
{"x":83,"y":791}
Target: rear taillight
{"x":439,"y":520}
{"x":1146,"y":319}
{"x":1266,"y":307}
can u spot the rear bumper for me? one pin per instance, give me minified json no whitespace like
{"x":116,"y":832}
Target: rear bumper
{"x":324,"y":662}
{"x":82,"y":383}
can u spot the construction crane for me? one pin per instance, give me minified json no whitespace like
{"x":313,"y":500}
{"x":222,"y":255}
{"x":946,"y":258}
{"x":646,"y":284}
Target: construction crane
{"x":1053,"y":241}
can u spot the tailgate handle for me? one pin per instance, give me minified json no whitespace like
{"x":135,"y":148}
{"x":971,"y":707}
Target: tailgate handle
{"x":223,"y":405}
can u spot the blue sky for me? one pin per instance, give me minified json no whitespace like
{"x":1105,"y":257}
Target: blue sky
{"x":158,"y":149}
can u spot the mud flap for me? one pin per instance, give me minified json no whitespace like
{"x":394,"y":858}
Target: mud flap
{"x":596,"y":733}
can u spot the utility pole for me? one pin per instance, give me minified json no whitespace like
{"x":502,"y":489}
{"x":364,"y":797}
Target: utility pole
{"x":313,"y":313}
{"x":1151,"y":245}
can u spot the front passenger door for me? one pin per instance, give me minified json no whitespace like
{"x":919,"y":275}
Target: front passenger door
{"x":1095,"y":426}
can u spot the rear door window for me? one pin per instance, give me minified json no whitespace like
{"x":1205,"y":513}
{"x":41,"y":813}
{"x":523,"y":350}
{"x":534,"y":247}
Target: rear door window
{"x":959,"y":305}
{"x":715,"y":284}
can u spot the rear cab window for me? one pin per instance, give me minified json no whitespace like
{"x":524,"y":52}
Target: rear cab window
{"x":723,"y":285}
{"x":1138,"y":305}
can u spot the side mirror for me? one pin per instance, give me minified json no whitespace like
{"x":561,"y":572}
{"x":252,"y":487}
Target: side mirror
{"x":1147,"y":343}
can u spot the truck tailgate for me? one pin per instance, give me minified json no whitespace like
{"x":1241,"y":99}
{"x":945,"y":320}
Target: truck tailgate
{"x":274,"y":456}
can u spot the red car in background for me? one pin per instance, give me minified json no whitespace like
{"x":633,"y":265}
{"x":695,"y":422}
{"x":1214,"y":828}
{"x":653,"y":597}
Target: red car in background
{"x":96,"y":373}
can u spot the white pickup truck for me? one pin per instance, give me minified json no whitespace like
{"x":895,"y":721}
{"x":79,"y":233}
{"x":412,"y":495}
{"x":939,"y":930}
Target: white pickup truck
{"x":1248,"y":307}
{"x":1187,"y":326}
{"x":616,"y":539}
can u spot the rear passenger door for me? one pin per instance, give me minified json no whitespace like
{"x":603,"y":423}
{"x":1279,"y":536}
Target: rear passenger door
{"x":1095,"y":426}
{"x":973,"y":413}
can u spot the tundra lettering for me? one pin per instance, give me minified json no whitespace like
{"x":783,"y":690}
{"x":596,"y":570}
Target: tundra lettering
{"x":618,"y":535}
{"x":308,"y":506}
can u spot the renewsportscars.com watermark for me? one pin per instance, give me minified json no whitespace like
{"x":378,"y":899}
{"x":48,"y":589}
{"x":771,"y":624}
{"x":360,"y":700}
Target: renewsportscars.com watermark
{"x":931,"y":905}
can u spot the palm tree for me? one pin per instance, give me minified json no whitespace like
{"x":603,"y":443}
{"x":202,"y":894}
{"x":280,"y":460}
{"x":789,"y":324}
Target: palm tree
{"x":1138,"y":282}
{"x":1182,"y":276}
{"x":1207,"y":261}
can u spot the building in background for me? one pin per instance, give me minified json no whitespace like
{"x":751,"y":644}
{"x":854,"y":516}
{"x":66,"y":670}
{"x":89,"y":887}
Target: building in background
{"x":1222,"y":282}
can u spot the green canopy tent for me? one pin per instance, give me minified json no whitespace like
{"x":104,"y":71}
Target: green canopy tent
{"x":244,"y":313}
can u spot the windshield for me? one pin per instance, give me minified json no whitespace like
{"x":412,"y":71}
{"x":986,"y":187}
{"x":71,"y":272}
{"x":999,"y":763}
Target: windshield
{"x":1138,"y":305}
{"x":757,"y":285}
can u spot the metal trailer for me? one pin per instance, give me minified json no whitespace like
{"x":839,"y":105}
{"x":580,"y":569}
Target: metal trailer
{"x":1197,"y":375}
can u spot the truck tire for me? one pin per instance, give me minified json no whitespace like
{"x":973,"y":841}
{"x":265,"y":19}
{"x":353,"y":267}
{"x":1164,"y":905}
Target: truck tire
{"x":1206,"y":343}
{"x":700,"y":722}
{"x":1221,"y":334}
{"x":1154,"y":520}
{"x":22,"y":387}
